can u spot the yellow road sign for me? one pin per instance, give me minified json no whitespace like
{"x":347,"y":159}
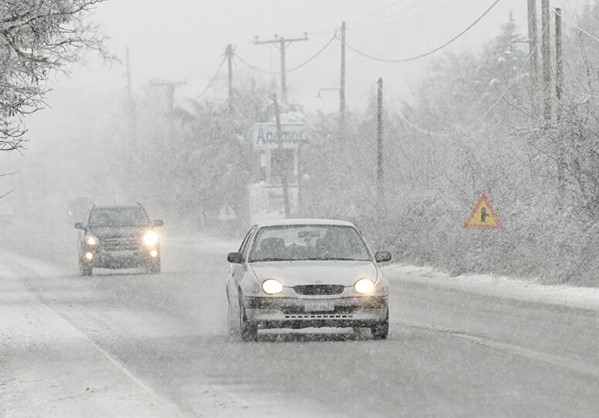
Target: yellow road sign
{"x":483,"y":216}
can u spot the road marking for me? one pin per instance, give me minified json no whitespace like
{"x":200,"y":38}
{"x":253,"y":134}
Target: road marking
{"x":219,"y":401}
{"x":42,"y":269}
{"x":576,"y":366}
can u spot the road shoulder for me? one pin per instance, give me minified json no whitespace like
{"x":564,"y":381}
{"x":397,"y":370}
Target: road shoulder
{"x":498,"y":286}
{"x":49,"y":368}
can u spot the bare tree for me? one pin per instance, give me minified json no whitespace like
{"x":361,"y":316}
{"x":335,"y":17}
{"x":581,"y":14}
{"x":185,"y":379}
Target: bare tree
{"x":36,"y":38}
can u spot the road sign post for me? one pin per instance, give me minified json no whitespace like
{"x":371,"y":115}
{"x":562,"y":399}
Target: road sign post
{"x":483,"y":217}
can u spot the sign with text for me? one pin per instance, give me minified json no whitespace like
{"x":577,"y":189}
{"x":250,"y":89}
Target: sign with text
{"x":265,"y":134}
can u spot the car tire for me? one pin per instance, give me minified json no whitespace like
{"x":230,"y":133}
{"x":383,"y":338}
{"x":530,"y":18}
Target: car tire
{"x":232,"y":321}
{"x":380,"y":330}
{"x":153,"y":267}
{"x":84,"y":269}
{"x":358,"y":331}
{"x":248,"y":330}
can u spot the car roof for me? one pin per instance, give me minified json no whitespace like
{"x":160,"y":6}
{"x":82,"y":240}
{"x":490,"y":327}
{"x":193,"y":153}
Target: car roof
{"x":306,"y":221}
{"x":116,"y":206}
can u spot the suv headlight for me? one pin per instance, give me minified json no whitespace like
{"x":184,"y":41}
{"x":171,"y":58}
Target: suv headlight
{"x":272,"y":286}
{"x":151,"y":239}
{"x":364,"y":286}
{"x":91,"y":240}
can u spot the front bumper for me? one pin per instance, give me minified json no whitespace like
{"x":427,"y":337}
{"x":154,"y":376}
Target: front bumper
{"x":120,"y":259}
{"x":283,"y":312}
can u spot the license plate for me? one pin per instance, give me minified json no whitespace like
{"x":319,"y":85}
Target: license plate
{"x":319,"y":306}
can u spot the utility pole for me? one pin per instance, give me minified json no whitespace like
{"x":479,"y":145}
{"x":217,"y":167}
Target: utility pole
{"x":380,"y":174}
{"x":229,"y":54}
{"x":283,"y":44}
{"x":559,"y":89}
{"x":546,"y":22}
{"x":280,"y":141}
{"x":132,"y":122}
{"x":342,"y":85}
{"x":533,"y":49}
{"x":559,"y":59}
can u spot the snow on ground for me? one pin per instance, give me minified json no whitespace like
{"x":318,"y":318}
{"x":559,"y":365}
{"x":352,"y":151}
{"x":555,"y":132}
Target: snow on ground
{"x":205,"y":244}
{"x":49,"y":367}
{"x":525,"y":290}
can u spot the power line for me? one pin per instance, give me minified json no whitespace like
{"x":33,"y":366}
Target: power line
{"x":392,"y":19}
{"x":384,"y":9}
{"x":212,"y":79}
{"x":361,"y":18}
{"x":424,"y":131}
{"x":474,"y":122}
{"x":297,"y":67}
{"x":283,"y":43}
{"x":313,"y":57}
{"x":389,"y":17}
{"x":590,"y":35}
{"x":253,"y":67}
{"x":455,"y":38}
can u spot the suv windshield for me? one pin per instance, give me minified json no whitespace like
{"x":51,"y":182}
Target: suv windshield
{"x":308,"y":242}
{"x":118,"y":217}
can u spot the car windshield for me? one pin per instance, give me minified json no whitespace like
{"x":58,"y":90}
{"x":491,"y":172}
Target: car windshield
{"x":308,"y":242}
{"x":118,"y":217}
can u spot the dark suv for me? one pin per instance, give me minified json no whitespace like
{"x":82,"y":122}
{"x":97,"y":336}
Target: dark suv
{"x":118,"y":237}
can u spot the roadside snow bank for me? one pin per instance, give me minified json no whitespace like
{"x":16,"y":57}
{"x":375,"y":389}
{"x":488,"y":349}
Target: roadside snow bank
{"x":499,"y":286}
{"x":49,"y":368}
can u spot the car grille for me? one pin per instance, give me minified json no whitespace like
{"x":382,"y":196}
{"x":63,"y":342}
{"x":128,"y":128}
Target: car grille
{"x":319,"y":289}
{"x":293,"y":310}
{"x":319,"y":316}
{"x":120,"y":244}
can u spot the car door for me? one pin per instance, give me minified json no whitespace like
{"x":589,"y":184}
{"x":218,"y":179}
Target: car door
{"x":237,"y":271}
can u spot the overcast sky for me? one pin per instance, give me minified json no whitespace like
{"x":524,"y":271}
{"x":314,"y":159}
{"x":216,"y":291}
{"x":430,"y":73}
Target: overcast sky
{"x":183,"y":40}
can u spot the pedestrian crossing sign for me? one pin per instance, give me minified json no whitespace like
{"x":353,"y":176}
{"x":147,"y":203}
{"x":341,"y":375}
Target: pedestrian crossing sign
{"x":483,"y":216}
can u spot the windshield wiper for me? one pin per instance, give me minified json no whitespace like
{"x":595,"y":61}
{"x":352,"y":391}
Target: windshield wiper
{"x":270,"y":259}
{"x":337,"y":258}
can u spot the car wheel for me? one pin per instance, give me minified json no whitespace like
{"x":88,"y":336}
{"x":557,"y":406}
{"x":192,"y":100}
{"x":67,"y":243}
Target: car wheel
{"x":84,"y":269}
{"x":232,"y":324}
{"x":380,"y":330}
{"x":358,"y":331}
{"x":248,"y":330}
{"x":153,"y":267}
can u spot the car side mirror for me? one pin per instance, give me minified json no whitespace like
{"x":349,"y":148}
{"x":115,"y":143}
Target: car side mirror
{"x":235,"y":258}
{"x":79,"y":225}
{"x":158,"y":222}
{"x":382,"y":256}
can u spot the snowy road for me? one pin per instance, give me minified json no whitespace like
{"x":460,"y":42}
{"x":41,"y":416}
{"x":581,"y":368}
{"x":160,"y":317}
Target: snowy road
{"x":129,"y":344}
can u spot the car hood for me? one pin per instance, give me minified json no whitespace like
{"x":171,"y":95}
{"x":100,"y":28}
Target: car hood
{"x":126,"y":232}
{"x":293,"y":273}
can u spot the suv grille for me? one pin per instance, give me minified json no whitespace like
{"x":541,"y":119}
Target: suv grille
{"x":120,"y":244}
{"x":319,"y":289}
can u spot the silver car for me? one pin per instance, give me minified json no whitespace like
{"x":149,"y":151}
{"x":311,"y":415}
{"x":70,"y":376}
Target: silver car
{"x":306,"y":273}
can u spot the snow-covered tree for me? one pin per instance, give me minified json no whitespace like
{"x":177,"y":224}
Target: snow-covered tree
{"x":36,"y":38}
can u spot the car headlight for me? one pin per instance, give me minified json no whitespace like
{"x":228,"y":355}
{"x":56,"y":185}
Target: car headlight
{"x":151,"y":239}
{"x":272,"y":286}
{"x":364,"y":286}
{"x":91,"y":241}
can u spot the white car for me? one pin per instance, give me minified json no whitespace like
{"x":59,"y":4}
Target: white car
{"x":306,"y":273}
